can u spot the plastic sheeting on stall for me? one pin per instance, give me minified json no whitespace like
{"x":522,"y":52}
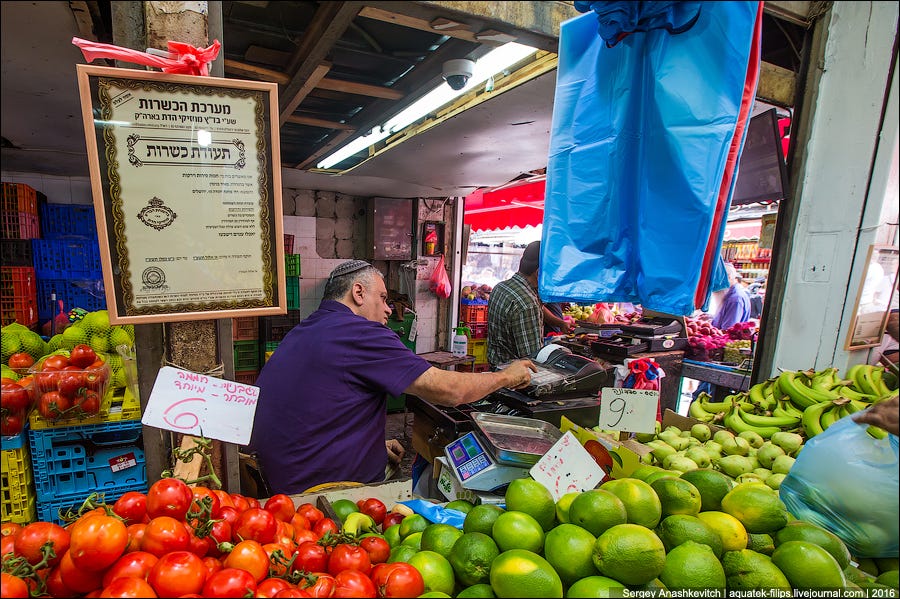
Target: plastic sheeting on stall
{"x":644,"y":145}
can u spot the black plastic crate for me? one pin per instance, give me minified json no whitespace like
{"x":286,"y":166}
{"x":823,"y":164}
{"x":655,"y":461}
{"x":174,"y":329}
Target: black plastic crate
{"x":16,"y":252}
{"x":275,"y":328}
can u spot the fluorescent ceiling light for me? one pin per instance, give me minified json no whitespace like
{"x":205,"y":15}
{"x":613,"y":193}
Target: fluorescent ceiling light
{"x":486,"y":67}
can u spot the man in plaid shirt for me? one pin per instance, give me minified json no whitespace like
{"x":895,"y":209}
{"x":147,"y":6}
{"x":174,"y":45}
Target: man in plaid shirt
{"x":515,"y":317}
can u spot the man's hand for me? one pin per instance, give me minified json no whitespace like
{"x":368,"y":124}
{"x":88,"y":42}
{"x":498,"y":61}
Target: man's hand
{"x":395,"y":451}
{"x":519,"y":373}
{"x":884,"y":414}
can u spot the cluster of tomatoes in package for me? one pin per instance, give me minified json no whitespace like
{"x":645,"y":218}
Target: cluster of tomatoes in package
{"x":181,"y":541}
{"x":70,"y":384}
{"x":16,"y":400}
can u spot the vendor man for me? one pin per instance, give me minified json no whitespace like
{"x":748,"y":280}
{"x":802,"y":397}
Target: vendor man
{"x":323,"y":393}
{"x":515,"y":314}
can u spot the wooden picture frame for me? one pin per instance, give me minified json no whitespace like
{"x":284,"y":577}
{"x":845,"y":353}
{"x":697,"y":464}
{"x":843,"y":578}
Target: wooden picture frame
{"x":186,"y":181}
{"x":873,"y":300}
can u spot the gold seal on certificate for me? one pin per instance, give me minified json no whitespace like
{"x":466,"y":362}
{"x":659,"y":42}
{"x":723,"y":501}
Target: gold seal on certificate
{"x":156,"y":214}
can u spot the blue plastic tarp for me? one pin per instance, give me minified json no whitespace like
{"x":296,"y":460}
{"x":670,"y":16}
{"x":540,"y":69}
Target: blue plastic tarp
{"x":643,"y":136}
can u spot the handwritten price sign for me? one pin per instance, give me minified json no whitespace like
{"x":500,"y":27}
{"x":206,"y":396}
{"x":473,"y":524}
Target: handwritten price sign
{"x":632,"y":410}
{"x":567,"y":467}
{"x":195,"y":404}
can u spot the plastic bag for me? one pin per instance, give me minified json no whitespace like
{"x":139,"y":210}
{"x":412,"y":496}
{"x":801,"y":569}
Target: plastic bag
{"x":435,"y":513}
{"x":440,"y":282}
{"x":846,"y":481}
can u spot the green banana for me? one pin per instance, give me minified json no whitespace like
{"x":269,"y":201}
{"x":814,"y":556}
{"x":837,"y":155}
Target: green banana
{"x":761,"y":396}
{"x":874,"y":431}
{"x":776,"y":421}
{"x":863,"y":378}
{"x":829,"y":416}
{"x":786,"y":408}
{"x":769,"y":395}
{"x":735,"y":421}
{"x":843,"y":412}
{"x":713,"y":407}
{"x":801,"y":395}
{"x":877,"y":378}
{"x":824,"y":379}
{"x":845,"y":390}
{"x":853,"y":406}
{"x":696,"y":411}
{"x":812,"y":416}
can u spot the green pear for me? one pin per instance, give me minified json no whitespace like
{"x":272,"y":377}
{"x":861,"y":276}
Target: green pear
{"x":713,"y":446}
{"x":660,"y":449}
{"x":644,"y":437}
{"x":673,"y":429}
{"x":699,"y":456}
{"x":767,"y":454}
{"x":789,"y":442}
{"x":701,"y":432}
{"x":762,"y":473}
{"x":782,"y":464}
{"x":693,"y":442}
{"x":720,"y":436}
{"x":735,"y":446}
{"x":753,"y":438}
{"x":685,"y":433}
{"x":774,"y":481}
{"x":647,"y":459}
{"x":749,"y":477}
{"x":676,"y":441}
{"x":680,"y":463}
{"x":734,"y":465}
{"x":753,"y":461}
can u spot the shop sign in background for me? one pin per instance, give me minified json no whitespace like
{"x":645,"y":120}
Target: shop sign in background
{"x":186,"y":180}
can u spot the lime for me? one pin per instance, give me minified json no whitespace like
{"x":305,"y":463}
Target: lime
{"x":677,"y":496}
{"x":413,"y":540}
{"x":808,"y":566}
{"x":569,"y":548}
{"x":471,"y":557}
{"x":563,"y":505}
{"x":460,"y":505}
{"x":392,"y":535}
{"x":730,"y":530}
{"x":436,"y":571}
{"x":757,"y":507}
{"x":401,"y":553}
{"x":440,"y":538}
{"x":597,"y":510}
{"x":343,"y":508}
{"x":807,"y":531}
{"x":521,"y":573}
{"x":631,"y":553}
{"x":712,"y":485}
{"x":518,"y":530}
{"x":596,"y":586}
{"x":531,"y":497}
{"x":747,"y":570}
{"x":476,"y":590}
{"x":641,"y":502}
{"x":481,"y":518}
{"x":692,"y":566}
{"x":412,"y":524}
{"x":680,"y":528}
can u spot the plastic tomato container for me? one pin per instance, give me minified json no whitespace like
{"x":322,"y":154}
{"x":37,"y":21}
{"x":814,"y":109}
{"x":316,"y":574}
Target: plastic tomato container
{"x":63,"y":392}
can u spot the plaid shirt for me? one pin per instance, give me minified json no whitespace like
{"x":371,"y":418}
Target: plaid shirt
{"x":515,"y":321}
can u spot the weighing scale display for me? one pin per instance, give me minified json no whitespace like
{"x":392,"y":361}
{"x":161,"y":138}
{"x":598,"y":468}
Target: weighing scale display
{"x":468,"y":457}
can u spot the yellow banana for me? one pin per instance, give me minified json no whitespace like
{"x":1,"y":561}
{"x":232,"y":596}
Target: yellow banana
{"x":696,"y":411}
{"x":801,"y":395}
{"x":812,"y":416}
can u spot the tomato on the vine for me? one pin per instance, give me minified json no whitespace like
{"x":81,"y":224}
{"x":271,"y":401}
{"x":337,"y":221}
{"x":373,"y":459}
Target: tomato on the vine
{"x":324,"y":526}
{"x":349,"y":557}
{"x":377,"y":548}
{"x":177,"y":573}
{"x":281,"y":506}
{"x":55,"y":585}
{"x":135,"y":537}
{"x":212,"y":565}
{"x":353,"y":583}
{"x":398,"y":580}
{"x":311,"y":512}
{"x":240,"y":502}
{"x":250,"y":556}
{"x":131,"y":507}
{"x":76,"y":579}
{"x":33,"y":536}
{"x":271,"y":587}
{"x":12,"y":423}
{"x":69,"y":384}
{"x":137,"y":564}
{"x":201,"y":496}
{"x":165,"y":534}
{"x":55,"y":361}
{"x":320,"y":584}
{"x":230,"y":582}
{"x":169,"y":497}
{"x":8,"y":529}
{"x":224,"y":498}
{"x":279,"y":554}
{"x":302,"y":536}
{"x":20,"y":360}
{"x":128,"y":586}
{"x":311,"y":557}
{"x":96,"y":542}
{"x":82,"y":356}
{"x":199,"y":546}
{"x":14,"y":397}
{"x":220,"y":532}
{"x":13,"y":586}
{"x":300,"y":522}
{"x":90,"y":402}
{"x":229,"y":514}
{"x":52,"y":405}
{"x":256,"y":524}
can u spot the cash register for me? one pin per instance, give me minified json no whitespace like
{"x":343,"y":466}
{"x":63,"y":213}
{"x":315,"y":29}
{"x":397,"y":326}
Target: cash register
{"x":561,"y":372}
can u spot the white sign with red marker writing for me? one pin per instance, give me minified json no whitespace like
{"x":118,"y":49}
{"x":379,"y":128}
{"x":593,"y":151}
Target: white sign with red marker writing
{"x":200,"y":405}
{"x":567,"y":467}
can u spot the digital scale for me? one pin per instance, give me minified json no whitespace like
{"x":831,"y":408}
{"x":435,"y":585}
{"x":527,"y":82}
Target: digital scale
{"x":476,"y":469}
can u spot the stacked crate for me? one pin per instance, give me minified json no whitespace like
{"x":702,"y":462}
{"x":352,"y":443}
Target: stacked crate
{"x":17,"y":497}
{"x":67,"y":260}
{"x":245,"y":334}
{"x":70,"y":463}
{"x":474,"y":316}
{"x":19,"y":224}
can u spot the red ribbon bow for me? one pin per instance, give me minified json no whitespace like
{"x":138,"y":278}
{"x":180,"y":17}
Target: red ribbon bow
{"x":189,"y":61}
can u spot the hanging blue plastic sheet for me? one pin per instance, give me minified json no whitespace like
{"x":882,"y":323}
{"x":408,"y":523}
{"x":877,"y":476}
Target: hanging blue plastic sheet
{"x":644,"y":144}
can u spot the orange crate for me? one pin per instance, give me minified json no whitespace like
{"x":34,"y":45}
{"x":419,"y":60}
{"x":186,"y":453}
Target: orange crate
{"x":473,"y":314}
{"x":18,"y":197}
{"x":18,"y":295}
{"x":245,"y":329}
{"x":479,"y":330}
{"x":247,"y":377}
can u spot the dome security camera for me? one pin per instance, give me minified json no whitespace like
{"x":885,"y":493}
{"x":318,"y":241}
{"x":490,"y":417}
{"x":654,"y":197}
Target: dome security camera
{"x":457,"y":72}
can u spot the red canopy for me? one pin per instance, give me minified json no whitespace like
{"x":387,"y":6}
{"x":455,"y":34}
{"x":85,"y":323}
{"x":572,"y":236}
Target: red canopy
{"x":516,"y":204}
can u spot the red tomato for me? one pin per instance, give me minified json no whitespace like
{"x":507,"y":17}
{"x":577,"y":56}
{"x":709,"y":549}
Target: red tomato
{"x":13,"y":586}
{"x":212,"y":565}
{"x":90,"y":402}
{"x":12,"y":423}
{"x":229,"y":514}
{"x":312,"y":513}
{"x":271,"y":587}
{"x":253,"y":502}
{"x":165,"y":534}
{"x":55,"y":586}
{"x":251,"y":557}
{"x":52,"y":405}
{"x":326,"y":525}
{"x":78,"y":580}
{"x":278,"y":554}
{"x":7,"y":545}
{"x":131,"y":506}
{"x":97,"y":542}
{"x":349,"y":557}
{"x":95,"y":376}
{"x":281,"y":506}
{"x":320,"y":585}
{"x":69,"y":384}
{"x":177,"y":573}
{"x":20,"y":360}
{"x":377,"y":548}
{"x":353,"y":583}
{"x":199,"y":546}
{"x":128,"y":586}
{"x":398,"y":580}
{"x":82,"y":356}
{"x":311,"y":557}
{"x":56,"y":361}
{"x":284,"y":533}
{"x":256,"y":524}
{"x":169,"y":497}
{"x":136,"y":564}
{"x":200,"y":497}
{"x":230,"y":582}
{"x":224,"y":498}
{"x":391,"y":519}
{"x":46,"y":380}
{"x":300,"y":522}
{"x":15,"y":398}
{"x":293,"y":592}
{"x":33,"y":536}
{"x":240,"y":502}
{"x":302,"y":536}
{"x":10,"y":529}
{"x":375,"y":509}
{"x":135,"y":537}
{"x":219,"y":533}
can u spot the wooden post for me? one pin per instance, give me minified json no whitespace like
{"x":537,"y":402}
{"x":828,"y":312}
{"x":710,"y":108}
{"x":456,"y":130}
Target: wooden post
{"x":196,"y":346}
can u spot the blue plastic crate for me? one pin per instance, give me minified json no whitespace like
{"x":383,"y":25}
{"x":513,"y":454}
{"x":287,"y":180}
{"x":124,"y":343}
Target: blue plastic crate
{"x":75,"y":293}
{"x":67,"y":220}
{"x":48,"y":510}
{"x":79,"y":460}
{"x":67,"y":258}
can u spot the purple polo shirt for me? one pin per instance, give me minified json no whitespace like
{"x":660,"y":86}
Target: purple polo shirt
{"x":322,"y":401}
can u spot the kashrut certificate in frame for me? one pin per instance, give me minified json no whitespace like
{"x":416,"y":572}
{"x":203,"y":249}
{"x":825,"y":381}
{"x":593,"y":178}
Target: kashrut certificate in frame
{"x":186,"y":180}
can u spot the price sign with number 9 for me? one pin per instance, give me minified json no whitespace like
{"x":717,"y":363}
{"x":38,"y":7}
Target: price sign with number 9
{"x":631,"y":410}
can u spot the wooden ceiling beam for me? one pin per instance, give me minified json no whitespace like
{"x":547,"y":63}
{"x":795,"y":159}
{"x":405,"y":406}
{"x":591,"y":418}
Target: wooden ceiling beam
{"x":328,"y":25}
{"x":380,"y":14}
{"x":251,"y":71}
{"x":321,"y":123}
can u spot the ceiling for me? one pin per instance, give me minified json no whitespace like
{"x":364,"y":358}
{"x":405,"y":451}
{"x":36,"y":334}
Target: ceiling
{"x":367,"y":61}
{"x":342,"y":68}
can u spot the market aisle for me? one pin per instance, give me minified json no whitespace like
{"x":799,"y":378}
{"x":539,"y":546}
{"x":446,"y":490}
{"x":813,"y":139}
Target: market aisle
{"x":399,"y":426}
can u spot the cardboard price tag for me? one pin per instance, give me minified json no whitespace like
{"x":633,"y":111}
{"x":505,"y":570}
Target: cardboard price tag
{"x":200,"y":405}
{"x":631,"y":410}
{"x":567,"y":467}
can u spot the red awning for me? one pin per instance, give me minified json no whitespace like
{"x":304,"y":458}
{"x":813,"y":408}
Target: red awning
{"x":516,"y":204}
